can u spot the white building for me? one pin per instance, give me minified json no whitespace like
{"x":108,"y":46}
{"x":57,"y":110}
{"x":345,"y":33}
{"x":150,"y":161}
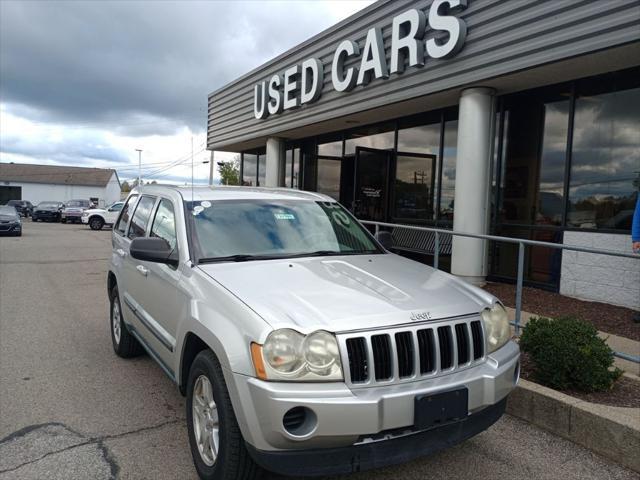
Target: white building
{"x":38,"y":183}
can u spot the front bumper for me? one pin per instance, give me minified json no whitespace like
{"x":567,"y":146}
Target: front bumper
{"x":84,"y":219}
{"x":357,"y":458}
{"x":10,"y":228}
{"x":345,"y":417}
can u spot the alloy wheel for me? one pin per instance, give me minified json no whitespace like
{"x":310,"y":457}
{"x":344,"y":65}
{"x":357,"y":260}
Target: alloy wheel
{"x":206,"y":424}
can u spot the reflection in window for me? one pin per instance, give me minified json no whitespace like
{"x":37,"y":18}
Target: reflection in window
{"x":447,"y":188}
{"x":249,"y":169}
{"x":332,"y":149}
{"x":420,"y":139}
{"x":295,"y":177}
{"x":329,"y":177}
{"x":262,"y":170}
{"x":552,"y":164}
{"x":138,"y":225}
{"x":382,"y":141}
{"x":605,"y":166}
{"x":415,"y":179}
{"x":534,"y":158}
{"x":291,"y":167}
{"x":164,"y":223}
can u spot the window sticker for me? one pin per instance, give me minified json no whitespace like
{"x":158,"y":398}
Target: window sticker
{"x":205,"y":204}
{"x":284,"y":216}
{"x":197,"y":209}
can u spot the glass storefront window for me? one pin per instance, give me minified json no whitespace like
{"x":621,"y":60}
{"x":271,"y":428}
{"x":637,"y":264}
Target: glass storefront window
{"x":448,"y":180}
{"x":534,"y":157}
{"x":414,"y":184}
{"x":249,"y":169}
{"x":262,"y":171}
{"x":550,"y":203}
{"x":331,"y":149}
{"x":605,"y":165}
{"x":380,"y":137}
{"x":420,"y":139}
{"x":288,"y":167}
{"x":295,"y":176}
{"x":291,"y":167}
{"x":329,"y":177}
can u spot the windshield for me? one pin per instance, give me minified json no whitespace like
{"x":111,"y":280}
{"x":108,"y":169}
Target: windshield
{"x":243,"y":230}
{"x":47,"y":204}
{"x":7,"y":211}
{"x":77,"y":203}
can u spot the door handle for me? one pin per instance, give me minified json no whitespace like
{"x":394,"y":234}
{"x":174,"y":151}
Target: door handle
{"x":142,"y":270}
{"x":121,"y":252}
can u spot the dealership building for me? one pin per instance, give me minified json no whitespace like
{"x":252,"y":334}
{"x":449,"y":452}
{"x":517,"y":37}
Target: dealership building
{"x":516,"y":118}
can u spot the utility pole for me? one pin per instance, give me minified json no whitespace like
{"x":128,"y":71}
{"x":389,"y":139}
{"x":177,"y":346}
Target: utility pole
{"x":139,"y":166}
{"x":192,"y":169}
{"x":211,"y":167}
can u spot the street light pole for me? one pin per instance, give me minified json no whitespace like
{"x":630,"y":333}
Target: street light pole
{"x":139,"y":165}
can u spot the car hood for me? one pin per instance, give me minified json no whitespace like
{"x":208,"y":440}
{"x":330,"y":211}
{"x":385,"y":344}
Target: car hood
{"x":347,"y":292}
{"x":74,"y":209}
{"x":46,"y":209}
{"x":8,"y":218}
{"x":95,"y":210}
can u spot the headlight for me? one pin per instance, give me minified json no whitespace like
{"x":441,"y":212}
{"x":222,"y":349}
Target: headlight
{"x":496,"y":327}
{"x":290,"y":356}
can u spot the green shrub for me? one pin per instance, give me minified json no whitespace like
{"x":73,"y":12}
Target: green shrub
{"x":567,"y":354}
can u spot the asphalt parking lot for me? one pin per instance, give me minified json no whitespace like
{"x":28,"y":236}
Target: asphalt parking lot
{"x":70,"y":409}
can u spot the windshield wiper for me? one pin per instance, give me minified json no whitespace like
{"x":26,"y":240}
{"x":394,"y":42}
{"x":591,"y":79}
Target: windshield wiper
{"x":238,"y":258}
{"x":245,"y":257}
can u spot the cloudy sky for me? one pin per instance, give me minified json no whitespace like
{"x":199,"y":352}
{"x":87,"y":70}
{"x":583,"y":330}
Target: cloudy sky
{"x":87,"y":82}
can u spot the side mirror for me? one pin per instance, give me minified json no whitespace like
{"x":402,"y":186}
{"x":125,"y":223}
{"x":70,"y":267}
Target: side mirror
{"x":152,"y":249}
{"x":385,"y":239}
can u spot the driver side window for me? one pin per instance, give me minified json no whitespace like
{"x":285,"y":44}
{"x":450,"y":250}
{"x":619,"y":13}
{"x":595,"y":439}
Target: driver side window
{"x":164,"y":223}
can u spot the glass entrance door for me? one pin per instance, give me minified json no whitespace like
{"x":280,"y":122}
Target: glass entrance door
{"x":371,"y":184}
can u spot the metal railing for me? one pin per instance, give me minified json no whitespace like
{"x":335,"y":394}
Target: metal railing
{"x":522,"y":244}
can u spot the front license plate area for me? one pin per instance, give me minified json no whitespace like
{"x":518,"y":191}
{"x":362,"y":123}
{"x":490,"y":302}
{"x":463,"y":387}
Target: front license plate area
{"x":436,"y":409}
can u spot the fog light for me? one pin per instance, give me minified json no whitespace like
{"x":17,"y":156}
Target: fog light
{"x":300,"y":421}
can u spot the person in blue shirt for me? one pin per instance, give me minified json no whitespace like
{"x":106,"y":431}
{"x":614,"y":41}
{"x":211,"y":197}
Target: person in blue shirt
{"x":635,"y":228}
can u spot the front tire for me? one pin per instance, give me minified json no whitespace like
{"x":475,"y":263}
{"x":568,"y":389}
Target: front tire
{"x":124,"y":344}
{"x":217,"y":446}
{"x":96,"y":223}
{"x":64,"y":220}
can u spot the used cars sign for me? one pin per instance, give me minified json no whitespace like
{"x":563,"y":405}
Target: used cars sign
{"x":301,"y":84}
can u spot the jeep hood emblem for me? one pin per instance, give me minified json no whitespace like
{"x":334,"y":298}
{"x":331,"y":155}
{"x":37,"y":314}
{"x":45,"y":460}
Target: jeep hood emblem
{"x":415,"y":316}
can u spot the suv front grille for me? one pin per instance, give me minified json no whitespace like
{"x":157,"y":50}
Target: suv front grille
{"x":411,"y":352}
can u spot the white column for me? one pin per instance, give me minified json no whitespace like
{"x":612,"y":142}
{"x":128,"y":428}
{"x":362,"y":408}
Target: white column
{"x":473,"y":183}
{"x":274,"y":174}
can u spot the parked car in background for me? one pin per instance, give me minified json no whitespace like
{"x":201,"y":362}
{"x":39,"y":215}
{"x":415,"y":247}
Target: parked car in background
{"x":24,"y":207}
{"x":97,"y":218}
{"x":47,"y":212}
{"x":10,"y":222}
{"x":73,"y":210}
{"x":302,"y":345}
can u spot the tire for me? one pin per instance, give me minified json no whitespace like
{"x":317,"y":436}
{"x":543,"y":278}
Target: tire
{"x":33,"y":219}
{"x":233,"y":461}
{"x":96,"y":223}
{"x":63,"y":220}
{"x":124,"y":344}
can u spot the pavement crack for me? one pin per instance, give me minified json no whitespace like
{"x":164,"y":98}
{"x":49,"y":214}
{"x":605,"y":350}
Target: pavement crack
{"x":97,"y":440}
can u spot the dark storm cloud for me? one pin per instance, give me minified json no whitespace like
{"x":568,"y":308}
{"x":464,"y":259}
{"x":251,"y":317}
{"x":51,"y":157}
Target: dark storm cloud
{"x":127,"y":63}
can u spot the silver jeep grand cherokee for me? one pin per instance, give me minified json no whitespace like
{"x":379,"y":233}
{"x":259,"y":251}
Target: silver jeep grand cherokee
{"x":302,"y":345}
